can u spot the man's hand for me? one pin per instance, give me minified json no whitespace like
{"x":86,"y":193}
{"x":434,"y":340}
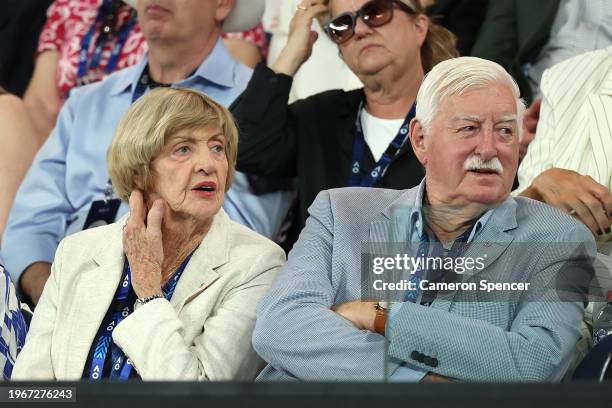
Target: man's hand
{"x":143,"y":245}
{"x":33,"y":280}
{"x":361,"y":314}
{"x":435,"y":378}
{"x":567,"y":190}
{"x":530,"y":125}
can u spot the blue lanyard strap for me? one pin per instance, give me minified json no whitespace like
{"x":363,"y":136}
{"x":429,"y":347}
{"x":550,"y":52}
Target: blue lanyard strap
{"x":458,"y":248}
{"x":145,"y":81}
{"x":122,"y":366}
{"x":142,"y":84}
{"x":359,"y":147}
{"x":84,"y":67}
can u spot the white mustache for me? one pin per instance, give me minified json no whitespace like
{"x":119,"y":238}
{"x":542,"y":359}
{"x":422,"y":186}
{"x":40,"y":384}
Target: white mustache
{"x":475,"y":162}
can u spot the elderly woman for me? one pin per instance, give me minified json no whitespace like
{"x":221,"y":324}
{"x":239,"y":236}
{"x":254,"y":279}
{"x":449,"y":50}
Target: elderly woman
{"x":337,"y":138}
{"x":168,"y":293}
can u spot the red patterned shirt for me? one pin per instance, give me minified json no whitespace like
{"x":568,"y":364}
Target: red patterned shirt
{"x":68,"y":21}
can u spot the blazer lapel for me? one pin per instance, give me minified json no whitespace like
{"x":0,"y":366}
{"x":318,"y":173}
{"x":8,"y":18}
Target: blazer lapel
{"x":392,"y":223}
{"x":200,"y":272}
{"x":488,"y":245}
{"x":94,"y":293}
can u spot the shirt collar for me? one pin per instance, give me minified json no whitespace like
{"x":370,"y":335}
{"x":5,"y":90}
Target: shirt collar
{"x":416,"y":217}
{"x":217,"y":68}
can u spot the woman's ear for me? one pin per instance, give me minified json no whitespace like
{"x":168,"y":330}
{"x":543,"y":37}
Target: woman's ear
{"x":417,"y":139}
{"x":138,"y":182}
{"x":421,"y":25}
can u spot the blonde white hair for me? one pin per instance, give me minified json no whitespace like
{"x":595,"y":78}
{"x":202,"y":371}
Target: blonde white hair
{"x":456,"y":76}
{"x":145,"y":128}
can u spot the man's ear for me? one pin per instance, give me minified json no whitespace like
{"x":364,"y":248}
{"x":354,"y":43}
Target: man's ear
{"x":224,"y":8}
{"x":417,"y":139}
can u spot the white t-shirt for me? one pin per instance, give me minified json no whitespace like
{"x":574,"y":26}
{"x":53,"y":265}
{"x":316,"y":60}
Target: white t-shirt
{"x":379,"y":133}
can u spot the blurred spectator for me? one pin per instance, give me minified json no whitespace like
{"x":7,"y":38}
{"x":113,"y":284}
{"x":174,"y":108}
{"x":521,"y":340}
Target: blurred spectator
{"x":67,"y":188}
{"x":338,"y":138}
{"x":527,"y":37}
{"x":12,"y":326}
{"x":248,"y":47}
{"x":71,"y":26}
{"x":569,"y":163}
{"x":84,"y":41}
{"x":462,"y":17}
{"x":17,"y":151}
{"x":20,"y":25}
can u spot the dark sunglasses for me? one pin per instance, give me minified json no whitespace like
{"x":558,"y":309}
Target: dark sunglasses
{"x":374,"y":14}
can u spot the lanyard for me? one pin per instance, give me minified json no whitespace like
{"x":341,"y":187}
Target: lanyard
{"x":458,"y":248}
{"x":141,"y":85}
{"x":145,"y":81}
{"x":96,"y":57}
{"x":359,"y":147}
{"x":122,"y":367}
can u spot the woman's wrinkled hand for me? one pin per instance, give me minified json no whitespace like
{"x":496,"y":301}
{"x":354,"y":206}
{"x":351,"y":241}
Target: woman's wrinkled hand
{"x":142,"y":243}
{"x":579,"y":195}
{"x":301,"y":38}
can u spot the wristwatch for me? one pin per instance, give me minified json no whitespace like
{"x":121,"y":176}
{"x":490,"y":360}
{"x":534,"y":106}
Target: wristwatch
{"x":143,"y":301}
{"x":380,"y":321}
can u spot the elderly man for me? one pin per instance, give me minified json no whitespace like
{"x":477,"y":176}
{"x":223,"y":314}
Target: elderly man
{"x":68,"y":188}
{"x":310,"y":325}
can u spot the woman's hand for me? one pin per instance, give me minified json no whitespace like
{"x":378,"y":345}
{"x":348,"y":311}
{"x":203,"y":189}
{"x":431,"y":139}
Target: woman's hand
{"x":301,"y":38}
{"x":579,"y":195}
{"x":143,"y":246}
{"x":530,"y":126}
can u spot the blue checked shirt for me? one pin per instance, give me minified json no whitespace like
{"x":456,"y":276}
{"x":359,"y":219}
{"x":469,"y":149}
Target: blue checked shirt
{"x":406,"y":371}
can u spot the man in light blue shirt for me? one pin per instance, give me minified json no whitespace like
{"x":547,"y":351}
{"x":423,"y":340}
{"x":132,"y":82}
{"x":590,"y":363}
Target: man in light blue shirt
{"x":70,"y":172}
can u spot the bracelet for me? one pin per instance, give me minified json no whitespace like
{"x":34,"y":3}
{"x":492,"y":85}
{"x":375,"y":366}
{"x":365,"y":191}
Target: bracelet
{"x":143,"y":301}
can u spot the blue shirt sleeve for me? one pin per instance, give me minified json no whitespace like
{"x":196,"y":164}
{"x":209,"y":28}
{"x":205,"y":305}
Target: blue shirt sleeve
{"x":263,"y":213}
{"x":38,"y":218}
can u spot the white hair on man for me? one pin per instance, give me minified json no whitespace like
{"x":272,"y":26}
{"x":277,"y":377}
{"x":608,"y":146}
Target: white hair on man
{"x":455,"y":77}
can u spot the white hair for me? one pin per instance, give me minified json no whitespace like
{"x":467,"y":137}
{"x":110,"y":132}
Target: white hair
{"x":456,"y":76}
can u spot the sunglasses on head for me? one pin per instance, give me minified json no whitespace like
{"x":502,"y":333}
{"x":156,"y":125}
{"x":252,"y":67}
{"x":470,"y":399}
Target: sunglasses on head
{"x":375,"y":13}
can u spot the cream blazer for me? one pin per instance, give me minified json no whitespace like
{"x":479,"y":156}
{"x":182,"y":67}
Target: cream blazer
{"x":575,"y":127}
{"x":202,"y":333}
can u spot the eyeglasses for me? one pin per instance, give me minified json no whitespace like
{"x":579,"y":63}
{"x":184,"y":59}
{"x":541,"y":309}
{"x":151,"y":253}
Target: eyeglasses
{"x":375,"y":13}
